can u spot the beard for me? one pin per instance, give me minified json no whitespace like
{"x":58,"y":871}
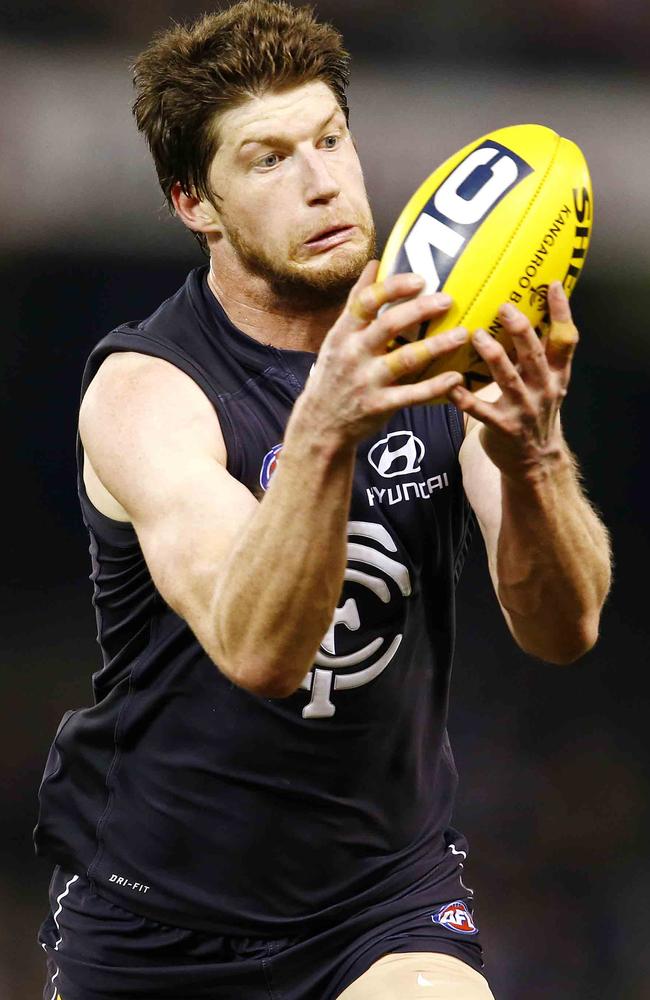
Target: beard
{"x":298,"y":285}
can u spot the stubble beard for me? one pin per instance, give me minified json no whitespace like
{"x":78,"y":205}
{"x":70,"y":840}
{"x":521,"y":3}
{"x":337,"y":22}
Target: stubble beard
{"x":303,"y":287}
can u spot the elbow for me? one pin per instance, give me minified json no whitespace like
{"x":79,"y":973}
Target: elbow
{"x":271,"y":688}
{"x":263,"y":676}
{"x":263,"y":679}
{"x":567,"y":655}
{"x":566,"y":646}
{"x":578,"y":640}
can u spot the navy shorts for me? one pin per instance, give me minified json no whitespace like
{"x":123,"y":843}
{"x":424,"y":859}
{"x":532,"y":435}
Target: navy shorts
{"x":99,"y":951}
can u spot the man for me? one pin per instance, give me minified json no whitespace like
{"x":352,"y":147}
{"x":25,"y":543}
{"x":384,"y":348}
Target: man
{"x":258,"y":803}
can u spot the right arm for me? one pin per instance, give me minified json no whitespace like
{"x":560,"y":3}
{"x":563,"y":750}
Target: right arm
{"x":256,"y":582}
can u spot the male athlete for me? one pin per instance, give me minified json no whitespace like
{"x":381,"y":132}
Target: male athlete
{"x":258,"y":803}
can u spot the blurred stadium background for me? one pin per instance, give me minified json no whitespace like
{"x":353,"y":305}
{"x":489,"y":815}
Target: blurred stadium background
{"x":553,"y":762}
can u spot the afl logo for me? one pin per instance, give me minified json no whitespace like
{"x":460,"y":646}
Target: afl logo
{"x":398,"y":454}
{"x":455,"y":917}
{"x":269,"y":465}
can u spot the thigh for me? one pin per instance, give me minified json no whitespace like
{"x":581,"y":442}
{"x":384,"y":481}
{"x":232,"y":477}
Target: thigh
{"x":418,"y":976}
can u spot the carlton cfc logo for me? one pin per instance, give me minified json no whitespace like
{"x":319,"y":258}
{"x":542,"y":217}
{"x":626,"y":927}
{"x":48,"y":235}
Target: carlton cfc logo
{"x":455,"y":917}
{"x":269,"y":465}
{"x":371,"y":564}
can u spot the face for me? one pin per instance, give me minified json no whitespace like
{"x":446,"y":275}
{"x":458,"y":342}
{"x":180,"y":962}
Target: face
{"x":291,"y":205}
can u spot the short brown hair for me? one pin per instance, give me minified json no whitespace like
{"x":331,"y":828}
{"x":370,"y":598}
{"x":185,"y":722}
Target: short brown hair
{"x":190,"y":73}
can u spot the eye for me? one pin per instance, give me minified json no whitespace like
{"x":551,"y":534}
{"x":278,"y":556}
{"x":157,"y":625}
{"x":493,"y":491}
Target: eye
{"x":331,"y":141}
{"x":268,"y":161}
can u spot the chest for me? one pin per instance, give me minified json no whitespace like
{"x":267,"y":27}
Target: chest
{"x":407,"y":482}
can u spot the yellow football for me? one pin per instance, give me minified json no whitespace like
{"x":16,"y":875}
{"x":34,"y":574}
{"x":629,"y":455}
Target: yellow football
{"x":496,"y":222}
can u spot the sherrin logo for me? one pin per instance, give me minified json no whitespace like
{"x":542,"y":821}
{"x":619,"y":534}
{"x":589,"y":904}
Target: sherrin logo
{"x":456,"y":209}
{"x":455,"y":917}
{"x":397,"y":454}
{"x":269,"y":465}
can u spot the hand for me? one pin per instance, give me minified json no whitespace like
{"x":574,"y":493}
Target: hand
{"x":356,"y":384}
{"x":521,"y":431}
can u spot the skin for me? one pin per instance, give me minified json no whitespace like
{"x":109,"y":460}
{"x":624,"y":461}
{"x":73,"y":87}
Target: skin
{"x":548,"y":552}
{"x":306,"y":182}
{"x":155,"y":454}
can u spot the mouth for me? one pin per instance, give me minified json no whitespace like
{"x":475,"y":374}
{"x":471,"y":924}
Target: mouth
{"x":330,"y":237}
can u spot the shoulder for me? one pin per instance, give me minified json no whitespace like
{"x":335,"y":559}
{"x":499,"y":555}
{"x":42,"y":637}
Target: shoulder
{"x":137,"y":395}
{"x":143,"y":422}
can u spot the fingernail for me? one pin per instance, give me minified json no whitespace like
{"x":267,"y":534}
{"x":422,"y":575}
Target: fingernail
{"x":508,"y":311}
{"x":459,"y":335}
{"x":442,"y":299}
{"x":480,"y":337}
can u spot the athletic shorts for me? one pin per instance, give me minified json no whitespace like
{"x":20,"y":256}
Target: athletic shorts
{"x":99,"y":951}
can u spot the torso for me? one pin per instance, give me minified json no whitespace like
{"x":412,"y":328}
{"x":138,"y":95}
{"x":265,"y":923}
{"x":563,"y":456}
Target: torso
{"x":350,"y":780}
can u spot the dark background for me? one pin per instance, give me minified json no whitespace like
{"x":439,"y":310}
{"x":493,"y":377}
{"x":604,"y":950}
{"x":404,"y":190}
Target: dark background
{"x":553,"y":761}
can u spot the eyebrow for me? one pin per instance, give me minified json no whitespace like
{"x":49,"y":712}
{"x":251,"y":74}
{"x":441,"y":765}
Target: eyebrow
{"x":277,"y":140}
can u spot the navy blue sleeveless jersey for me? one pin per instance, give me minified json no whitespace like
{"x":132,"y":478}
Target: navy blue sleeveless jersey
{"x":187,"y":799}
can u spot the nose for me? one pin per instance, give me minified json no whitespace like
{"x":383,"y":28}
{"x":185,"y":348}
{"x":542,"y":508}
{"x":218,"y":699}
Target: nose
{"x":320,"y":184}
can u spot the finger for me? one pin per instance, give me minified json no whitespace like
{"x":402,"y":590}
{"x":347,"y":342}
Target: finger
{"x":529,"y":351}
{"x":430,"y":390}
{"x":473,"y":405}
{"x":366,"y":299}
{"x":365,"y":279}
{"x":558,"y":303}
{"x":562,"y":337}
{"x":411,"y":360}
{"x":405,"y":316}
{"x":500,"y":366}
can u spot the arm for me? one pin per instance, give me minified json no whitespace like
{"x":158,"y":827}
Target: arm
{"x":256,"y":582}
{"x":548,"y":552}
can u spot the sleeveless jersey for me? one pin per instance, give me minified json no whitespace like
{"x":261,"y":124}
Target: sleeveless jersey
{"x":195,"y":803}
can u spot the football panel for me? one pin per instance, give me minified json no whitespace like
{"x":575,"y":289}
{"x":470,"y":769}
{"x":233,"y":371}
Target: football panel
{"x":479,"y":259}
{"x":550,"y":243}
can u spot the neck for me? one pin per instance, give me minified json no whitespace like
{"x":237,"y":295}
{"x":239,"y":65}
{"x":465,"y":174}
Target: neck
{"x":253,"y":307}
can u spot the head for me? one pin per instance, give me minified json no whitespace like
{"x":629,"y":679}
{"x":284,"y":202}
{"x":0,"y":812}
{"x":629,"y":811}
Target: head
{"x":246,"y":116}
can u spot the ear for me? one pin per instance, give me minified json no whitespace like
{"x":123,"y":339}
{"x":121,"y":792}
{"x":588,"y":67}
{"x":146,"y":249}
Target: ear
{"x":197,"y":214}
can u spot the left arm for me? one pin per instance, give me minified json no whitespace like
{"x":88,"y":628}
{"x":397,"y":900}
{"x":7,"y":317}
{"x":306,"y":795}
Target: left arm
{"x":548,"y":552}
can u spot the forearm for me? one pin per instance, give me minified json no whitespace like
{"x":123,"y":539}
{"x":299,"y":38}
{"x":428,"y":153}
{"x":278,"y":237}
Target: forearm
{"x":552,"y":561}
{"x":277,"y":595}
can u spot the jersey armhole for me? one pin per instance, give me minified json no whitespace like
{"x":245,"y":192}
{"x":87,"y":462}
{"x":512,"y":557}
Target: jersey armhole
{"x":456,"y":425}
{"x":119,"y":532}
{"x":119,"y":342}
{"x":122,"y":341}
